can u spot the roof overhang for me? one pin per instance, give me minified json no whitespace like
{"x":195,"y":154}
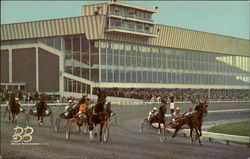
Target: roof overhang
{"x":131,"y":32}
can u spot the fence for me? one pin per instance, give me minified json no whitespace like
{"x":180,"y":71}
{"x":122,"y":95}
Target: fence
{"x":215,"y":136}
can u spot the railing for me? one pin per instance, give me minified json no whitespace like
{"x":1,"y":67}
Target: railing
{"x":128,"y":16}
{"x":129,"y":29}
{"x":214,"y":136}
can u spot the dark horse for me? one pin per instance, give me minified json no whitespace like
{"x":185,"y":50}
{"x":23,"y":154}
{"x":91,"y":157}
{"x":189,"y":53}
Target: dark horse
{"x":13,"y":108}
{"x":41,"y":107}
{"x":160,"y":116}
{"x":97,"y":115}
{"x":194,"y":121}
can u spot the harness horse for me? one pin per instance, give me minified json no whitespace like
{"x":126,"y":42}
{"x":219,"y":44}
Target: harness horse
{"x":159,"y":118}
{"x":70,"y":117}
{"x":194,"y":121}
{"x":99,"y":115}
{"x":13,"y":108}
{"x":96,"y":114}
{"x":40,"y":110}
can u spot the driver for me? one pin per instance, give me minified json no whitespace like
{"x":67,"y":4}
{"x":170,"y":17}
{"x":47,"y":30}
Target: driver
{"x":83,"y":107}
{"x":152,"y":113}
{"x":68,"y":108}
{"x":177,"y":114}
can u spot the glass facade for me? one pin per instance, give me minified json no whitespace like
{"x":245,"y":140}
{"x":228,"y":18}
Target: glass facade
{"x":110,"y":61}
{"x":133,"y":63}
{"x":81,"y":57}
{"x":71,"y":85}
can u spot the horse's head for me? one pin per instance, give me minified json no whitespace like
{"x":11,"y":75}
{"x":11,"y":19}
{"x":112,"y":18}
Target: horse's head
{"x":101,"y":97}
{"x":82,"y":100}
{"x":202,"y":108}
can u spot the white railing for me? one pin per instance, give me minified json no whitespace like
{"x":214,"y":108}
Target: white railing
{"x":215,"y":136}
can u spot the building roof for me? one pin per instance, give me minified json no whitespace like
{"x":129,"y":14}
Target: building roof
{"x":93,"y":27}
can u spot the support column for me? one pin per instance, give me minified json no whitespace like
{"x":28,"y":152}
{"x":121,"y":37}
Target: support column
{"x":91,"y":91}
{"x":10,"y":65}
{"x":37,"y":71}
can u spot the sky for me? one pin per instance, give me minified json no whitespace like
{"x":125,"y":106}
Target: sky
{"x":230,"y":18}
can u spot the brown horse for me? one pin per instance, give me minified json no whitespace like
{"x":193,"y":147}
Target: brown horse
{"x":13,"y":108}
{"x":194,"y":121}
{"x":98,"y":115}
{"x":160,"y":116}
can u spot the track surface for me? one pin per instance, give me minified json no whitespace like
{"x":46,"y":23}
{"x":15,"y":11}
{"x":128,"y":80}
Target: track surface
{"x":125,"y":140}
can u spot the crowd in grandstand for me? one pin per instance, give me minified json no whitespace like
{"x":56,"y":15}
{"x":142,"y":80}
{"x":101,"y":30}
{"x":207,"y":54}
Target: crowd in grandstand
{"x":144,"y":94}
{"x":180,"y":94}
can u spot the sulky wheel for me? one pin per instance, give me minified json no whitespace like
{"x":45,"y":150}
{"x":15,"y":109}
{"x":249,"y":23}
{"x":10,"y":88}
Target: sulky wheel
{"x":67,"y":132}
{"x":105,"y":133}
{"x":86,"y":128}
{"x":141,"y":126}
{"x":115,"y":120}
{"x":27,"y":118}
{"x":57,"y":124}
{"x":194,"y":137}
{"x":51,"y":119}
{"x":163,"y":134}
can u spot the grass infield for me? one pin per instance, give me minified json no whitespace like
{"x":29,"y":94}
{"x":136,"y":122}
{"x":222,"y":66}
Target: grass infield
{"x":237,"y":128}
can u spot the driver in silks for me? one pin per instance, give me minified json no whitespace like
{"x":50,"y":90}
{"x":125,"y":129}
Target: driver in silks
{"x":152,"y":113}
{"x":68,"y":108}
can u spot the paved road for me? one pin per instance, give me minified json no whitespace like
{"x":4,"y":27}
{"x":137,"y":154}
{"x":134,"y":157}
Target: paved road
{"x":125,"y":140}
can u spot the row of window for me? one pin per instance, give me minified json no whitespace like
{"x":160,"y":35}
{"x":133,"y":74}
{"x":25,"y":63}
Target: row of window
{"x":108,"y":75}
{"x":118,"y":54}
{"x":129,"y":25}
{"x":130,"y":12}
{"x":71,"y":85}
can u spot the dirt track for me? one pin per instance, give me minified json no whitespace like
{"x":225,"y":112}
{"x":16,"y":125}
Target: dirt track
{"x":125,"y":140}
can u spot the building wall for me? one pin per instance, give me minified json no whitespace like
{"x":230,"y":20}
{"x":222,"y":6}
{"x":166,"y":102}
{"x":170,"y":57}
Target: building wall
{"x":48,"y":71}
{"x":4,"y":66}
{"x":24,"y":67}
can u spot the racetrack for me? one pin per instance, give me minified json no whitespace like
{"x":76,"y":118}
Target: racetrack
{"x":125,"y":140}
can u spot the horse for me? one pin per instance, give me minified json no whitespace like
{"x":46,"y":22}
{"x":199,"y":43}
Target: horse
{"x":41,"y":107}
{"x":97,"y":115}
{"x":160,"y":116}
{"x":13,"y":108}
{"x":194,"y":121}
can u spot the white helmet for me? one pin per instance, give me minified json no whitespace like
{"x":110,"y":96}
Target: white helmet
{"x":154,"y":108}
{"x":70,"y":101}
{"x":17,"y":99}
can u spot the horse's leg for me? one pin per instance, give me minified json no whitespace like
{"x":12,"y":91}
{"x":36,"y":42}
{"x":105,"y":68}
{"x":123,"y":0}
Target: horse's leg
{"x":200,"y":132}
{"x":101,"y":127}
{"x":197,"y":132}
{"x":79,"y":123}
{"x":9,"y":117}
{"x":191,"y":133}
{"x":91,"y":127}
{"x":42,"y":119}
{"x":178,"y":127}
{"x":13,"y":117}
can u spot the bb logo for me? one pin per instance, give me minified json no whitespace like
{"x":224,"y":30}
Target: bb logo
{"x":22,"y":134}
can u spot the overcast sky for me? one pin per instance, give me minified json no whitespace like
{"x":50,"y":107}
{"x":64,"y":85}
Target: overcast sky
{"x":225,"y":17}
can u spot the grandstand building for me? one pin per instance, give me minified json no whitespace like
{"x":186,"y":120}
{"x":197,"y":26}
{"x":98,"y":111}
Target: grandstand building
{"x":118,"y":45}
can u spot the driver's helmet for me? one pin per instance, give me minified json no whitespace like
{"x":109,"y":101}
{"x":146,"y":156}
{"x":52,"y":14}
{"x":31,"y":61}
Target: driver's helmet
{"x":154,"y":109}
{"x":177,"y":109}
{"x":70,"y":101}
{"x":17,"y":99}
